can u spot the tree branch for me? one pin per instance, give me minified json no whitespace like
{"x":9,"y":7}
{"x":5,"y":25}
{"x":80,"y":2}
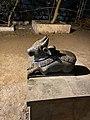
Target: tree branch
{"x":11,"y":13}
{"x":56,"y":12}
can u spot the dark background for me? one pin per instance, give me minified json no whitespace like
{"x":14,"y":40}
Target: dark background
{"x":42,"y":10}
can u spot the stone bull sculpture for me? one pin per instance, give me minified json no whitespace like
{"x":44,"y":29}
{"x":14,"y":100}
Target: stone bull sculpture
{"x":49,"y":60}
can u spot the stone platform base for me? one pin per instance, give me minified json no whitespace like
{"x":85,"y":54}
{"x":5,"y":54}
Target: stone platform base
{"x":44,"y":27}
{"x":9,"y":29}
{"x":64,"y":97}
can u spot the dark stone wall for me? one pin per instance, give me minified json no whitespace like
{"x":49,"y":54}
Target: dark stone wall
{"x":61,"y":109}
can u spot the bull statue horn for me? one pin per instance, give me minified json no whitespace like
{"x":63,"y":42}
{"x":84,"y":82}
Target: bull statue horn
{"x":45,"y":42}
{"x":42,"y":40}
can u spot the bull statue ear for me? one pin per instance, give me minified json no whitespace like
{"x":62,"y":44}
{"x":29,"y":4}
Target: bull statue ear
{"x":45,"y":42}
{"x":47,"y":51}
{"x":52,"y":47}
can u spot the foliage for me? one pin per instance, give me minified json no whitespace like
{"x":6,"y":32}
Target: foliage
{"x":6,"y":7}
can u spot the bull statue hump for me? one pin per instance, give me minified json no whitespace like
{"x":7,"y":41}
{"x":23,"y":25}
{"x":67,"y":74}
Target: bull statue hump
{"x":47,"y":59}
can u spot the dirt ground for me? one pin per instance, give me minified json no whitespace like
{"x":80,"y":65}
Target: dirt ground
{"x":14,"y":60}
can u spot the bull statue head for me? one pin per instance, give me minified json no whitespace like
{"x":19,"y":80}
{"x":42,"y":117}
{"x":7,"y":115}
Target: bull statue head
{"x":39,"y":49}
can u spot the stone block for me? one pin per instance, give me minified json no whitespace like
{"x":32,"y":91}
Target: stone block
{"x":42,"y":27}
{"x":9,"y":29}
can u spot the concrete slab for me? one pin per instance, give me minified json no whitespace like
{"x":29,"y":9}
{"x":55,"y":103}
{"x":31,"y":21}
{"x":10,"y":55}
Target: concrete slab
{"x":10,"y":29}
{"x":42,"y":27}
{"x":45,"y":88}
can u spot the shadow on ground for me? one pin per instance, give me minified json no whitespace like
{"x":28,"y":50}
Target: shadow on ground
{"x":80,"y":70}
{"x":72,"y":30}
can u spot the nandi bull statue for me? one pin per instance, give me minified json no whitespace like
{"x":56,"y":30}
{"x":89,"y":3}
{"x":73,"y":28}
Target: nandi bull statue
{"x":49,"y":60}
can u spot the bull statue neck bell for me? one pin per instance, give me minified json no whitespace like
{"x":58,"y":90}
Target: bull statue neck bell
{"x":47,"y":60}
